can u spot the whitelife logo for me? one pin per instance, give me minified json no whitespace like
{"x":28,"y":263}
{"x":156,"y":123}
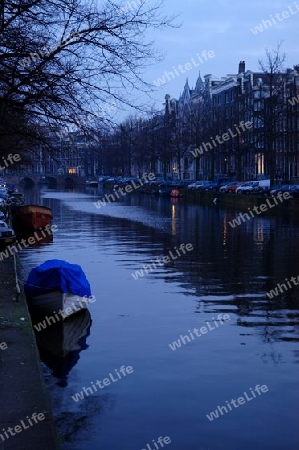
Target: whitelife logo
{"x":160,"y":441}
{"x":270,"y":22}
{"x":110,"y":198}
{"x":183,"y":68}
{"x":10,"y":160}
{"x":49,"y":320}
{"x":203,"y":330}
{"x":3,"y":346}
{"x":161,"y":261}
{"x":106,"y":382}
{"x":223,"y":138}
{"x":278,"y":290}
{"x":294,"y":100}
{"x":257,"y":210}
{"x":241,"y":401}
{"x":23,"y":426}
{"x":13,"y":249}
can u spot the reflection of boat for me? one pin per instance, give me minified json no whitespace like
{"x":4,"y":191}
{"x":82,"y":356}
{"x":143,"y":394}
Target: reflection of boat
{"x":56,"y":286}
{"x":31,"y":217}
{"x":40,"y":237}
{"x":61,"y":343}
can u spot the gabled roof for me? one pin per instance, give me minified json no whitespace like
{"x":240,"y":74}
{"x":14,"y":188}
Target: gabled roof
{"x":199,"y":87}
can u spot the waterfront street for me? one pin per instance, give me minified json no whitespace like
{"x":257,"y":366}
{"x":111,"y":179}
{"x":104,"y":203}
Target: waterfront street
{"x":245,"y":349}
{"x":22,"y":389}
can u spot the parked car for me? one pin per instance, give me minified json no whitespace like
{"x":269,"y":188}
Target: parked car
{"x":267,"y":191}
{"x":283,"y":188}
{"x":233,"y":187}
{"x":196,"y":185}
{"x":191,"y":185}
{"x":294,"y":190}
{"x":225,"y":186}
{"x":182,"y":183}
{"x":203,"y":185}
{"x":262,"y":185}
{"x":7,"y":235}
{"x":247,"y":187}
{"x":211,"y":186}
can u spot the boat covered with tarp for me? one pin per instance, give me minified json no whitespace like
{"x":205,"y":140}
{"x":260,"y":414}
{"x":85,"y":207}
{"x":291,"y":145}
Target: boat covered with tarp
{"x":58,"y":287}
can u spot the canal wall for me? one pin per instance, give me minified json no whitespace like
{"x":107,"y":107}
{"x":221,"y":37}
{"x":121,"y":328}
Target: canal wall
{"x":25,"y":416}
{"x":236,"y":202}
{"x":242,"y":202}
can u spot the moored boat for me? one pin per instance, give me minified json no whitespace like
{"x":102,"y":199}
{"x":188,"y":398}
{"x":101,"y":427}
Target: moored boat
{"x":31,"y":217}
{"x":176,"y":193}
{"x":92,"y":183}
{"x":58,"y":289}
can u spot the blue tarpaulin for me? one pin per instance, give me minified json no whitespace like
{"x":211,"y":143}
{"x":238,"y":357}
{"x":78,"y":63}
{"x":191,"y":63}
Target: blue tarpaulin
{"x":56,"y":274}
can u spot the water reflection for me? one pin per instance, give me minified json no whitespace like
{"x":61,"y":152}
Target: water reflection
{"x":61,"y":343}
{"x":229,"y":271}
{"x":36,"y":239}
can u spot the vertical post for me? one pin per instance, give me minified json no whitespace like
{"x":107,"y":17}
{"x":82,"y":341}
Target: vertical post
{"x":2,"y":16}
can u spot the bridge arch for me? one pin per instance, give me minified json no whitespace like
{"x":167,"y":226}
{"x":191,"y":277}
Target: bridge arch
{"x":27,"y":182}
{"x":52,"y":182}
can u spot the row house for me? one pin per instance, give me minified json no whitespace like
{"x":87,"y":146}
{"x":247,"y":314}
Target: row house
{"x":69,"y":152}
{"x":244,"y":126}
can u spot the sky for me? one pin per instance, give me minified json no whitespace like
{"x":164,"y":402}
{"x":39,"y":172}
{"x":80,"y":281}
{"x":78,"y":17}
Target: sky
{"x":224,"y":29}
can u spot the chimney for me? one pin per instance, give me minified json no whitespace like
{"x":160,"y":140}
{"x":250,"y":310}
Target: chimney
{"x":241,"y":67}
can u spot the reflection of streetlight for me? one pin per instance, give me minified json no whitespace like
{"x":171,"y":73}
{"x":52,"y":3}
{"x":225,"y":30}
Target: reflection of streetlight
{"x":173,"y":219}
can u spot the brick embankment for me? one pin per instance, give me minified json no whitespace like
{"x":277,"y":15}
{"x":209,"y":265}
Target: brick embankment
{"x":22,"y":390}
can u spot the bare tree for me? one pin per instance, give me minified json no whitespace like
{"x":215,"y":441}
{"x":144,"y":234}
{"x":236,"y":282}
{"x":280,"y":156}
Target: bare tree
{"x":270,"y":106}
{"x":73,"y":62}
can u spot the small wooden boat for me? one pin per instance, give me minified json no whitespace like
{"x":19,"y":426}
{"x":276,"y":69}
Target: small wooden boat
{"x":31,"y":217}
{"x":58,"y":289}
{"x":175,"y":193}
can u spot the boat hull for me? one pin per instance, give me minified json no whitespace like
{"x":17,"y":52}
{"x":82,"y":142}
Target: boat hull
{"x":55,"y":302}
{"x":31,"y":217}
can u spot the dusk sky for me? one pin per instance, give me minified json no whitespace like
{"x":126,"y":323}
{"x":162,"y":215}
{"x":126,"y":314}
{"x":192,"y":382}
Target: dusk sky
{"x":224,"y":28}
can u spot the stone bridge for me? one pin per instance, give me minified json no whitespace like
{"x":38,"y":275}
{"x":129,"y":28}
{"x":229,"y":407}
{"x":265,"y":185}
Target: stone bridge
{"x":50,"y":180}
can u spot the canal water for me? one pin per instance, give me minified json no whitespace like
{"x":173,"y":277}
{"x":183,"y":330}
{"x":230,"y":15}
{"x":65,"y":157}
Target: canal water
{"x":168,"y":389}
